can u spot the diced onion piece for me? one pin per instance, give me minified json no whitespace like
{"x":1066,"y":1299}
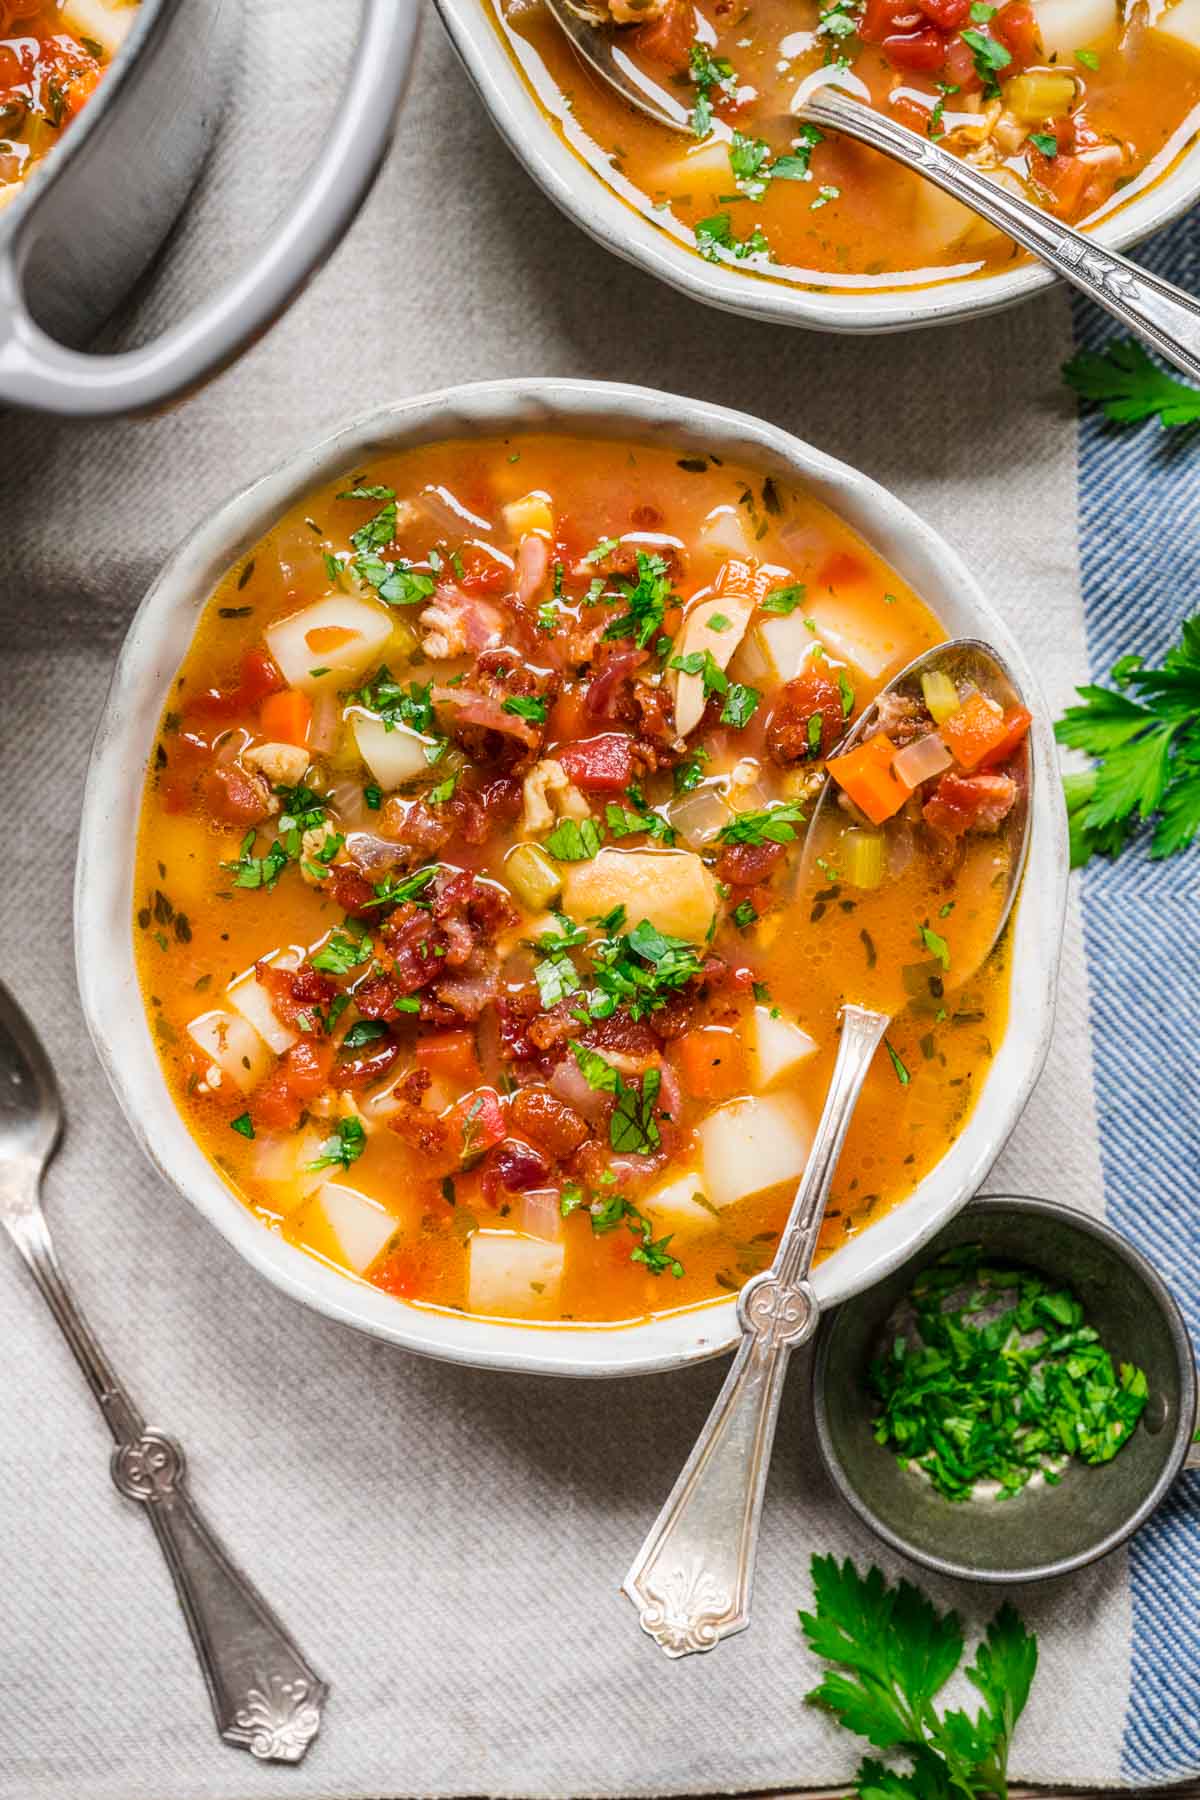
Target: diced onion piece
{"x":513,"y":1277}
{"x":347,"y":1227}
{"x":540,"y":1212}
{"x":250,"y":998}
{"x":752,"y":1144}
{"x":393,"y":757}
{"x":1039,"y":96}
{"x":921,"y":760}
{"x":779,"y":1045}
{"x":531,"y":513}
{"x":233,"y":1044}
{"x":681,"y":1202}
{"x":863,"y":858}
{"x":534,"y":879}
{"x":726,"y":527}
{"x":751,"y":662}
{"x":1070,"y":25}
{"x":671,"y":888}
{"x":339,"y":636}
{"x":1181,"y":22}
{"x":697,"y":635}
{"x":939,"y":693}
{"x":107,"y":22}
{"x":698,"y":817}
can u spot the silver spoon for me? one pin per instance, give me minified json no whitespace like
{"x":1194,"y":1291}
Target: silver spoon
{"x":692,"y":1580}
{"x":1160,"y":312}
{"x":265,"y":1696}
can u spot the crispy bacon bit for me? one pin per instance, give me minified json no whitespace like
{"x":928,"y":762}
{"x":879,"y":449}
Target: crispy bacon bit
{"x":622,"y":1036}
{"x":962,"y":803}
{"x":551,"y":1124}
{"x":416,"y":946}
{"x":297,"y":995}
{"x":358,"y":1068}
{"x":351,"y":889}
{"x":377,"y":997}
{"x":471,"y":988}
{"x":609,"y":688}
{"x":512,"y":1167}
{"x":815,"y":693}
{"x":515,"y":1013}
{"x":902,"y":719}
{"x":421,"y":1130}
{"x":455,"y":622}
{"x":299,"y":1076}
{"x":745,"y":865}
{"x":600,"y":765}
{"x":236,"y":795}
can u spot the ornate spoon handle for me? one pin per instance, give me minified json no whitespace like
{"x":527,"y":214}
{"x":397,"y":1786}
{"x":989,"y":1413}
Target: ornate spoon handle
{"x":693,"y":1578}
{"x":265,"y":1696}
{"x":1163,"y":314}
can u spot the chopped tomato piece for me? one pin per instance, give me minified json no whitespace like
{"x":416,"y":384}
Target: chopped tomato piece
{"x":475,"y":1124}
{"x":974,"y":731}
{"x":600,"y":765}
{"x":1062,"y":178}
{"x":285,"y":718}
{"x":668,"y":39}
{"x":298,"y":1077}
{"x":399,"y":1272}
{"x":866,"y":775}
{"x":883,"y":17}
{"x":449,"y":1053}
{"x":923,"y":49}
{"x":233,"y":795}
{"x":1017,"y":28}
{"x":947,"y":15}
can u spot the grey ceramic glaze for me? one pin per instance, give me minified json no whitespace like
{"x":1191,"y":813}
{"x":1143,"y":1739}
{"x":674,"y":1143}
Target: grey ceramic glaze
{"x":159,"y":636}
{"x":98,"y":206}
{"x":1044,"y":1530}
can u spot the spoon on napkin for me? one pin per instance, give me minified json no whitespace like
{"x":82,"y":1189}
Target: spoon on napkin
{"x":265,"y":1696}
{"x":692,"y":1579}
{"x":833,"y":98}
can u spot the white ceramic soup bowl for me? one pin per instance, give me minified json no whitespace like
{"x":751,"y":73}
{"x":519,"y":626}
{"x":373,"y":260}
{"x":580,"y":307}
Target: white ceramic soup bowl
{"x":158,"y":639}
{"x":579,"y":178}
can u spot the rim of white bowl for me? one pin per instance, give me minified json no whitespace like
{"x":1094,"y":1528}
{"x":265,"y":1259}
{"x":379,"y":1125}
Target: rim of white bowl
{"x":157,"y":639}
{"x":583,"y":194}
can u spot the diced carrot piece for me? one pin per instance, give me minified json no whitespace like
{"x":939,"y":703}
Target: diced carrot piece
{"x":973,"y":732}
{"x":399,"y":1272}
{"x":285,"y":718}
{"x":1017,"y":721}
{"x":708,"y":1063}
{"x":866,"y":775}
{"x":449,"y":1053}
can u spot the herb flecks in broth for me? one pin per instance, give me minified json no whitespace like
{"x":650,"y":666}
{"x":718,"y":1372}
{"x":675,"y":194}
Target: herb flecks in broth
{"x":482,"y":794}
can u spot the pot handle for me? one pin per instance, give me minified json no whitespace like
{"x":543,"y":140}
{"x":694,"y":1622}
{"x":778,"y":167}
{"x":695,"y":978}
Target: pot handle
{"x":38,"y":373}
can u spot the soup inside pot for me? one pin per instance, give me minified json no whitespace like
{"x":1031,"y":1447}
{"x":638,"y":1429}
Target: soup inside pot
{"x":472,"y":920}
{"x":53,"y":54}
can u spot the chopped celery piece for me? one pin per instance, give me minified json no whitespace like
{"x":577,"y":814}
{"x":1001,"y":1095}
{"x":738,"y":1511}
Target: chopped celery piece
{"x":863,"y":858}
{"x":533,"y":877}
{"x":941,"y":695}
{"x":1035,"y":98}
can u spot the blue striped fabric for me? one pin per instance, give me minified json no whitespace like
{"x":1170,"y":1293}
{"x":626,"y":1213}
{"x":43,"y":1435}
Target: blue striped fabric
{"x":1140,"y":564}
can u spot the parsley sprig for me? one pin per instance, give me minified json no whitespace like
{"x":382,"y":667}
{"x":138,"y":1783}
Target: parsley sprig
{"x":632,"y":1127}
{"x":397,"y":583}
{"x":1130,"y":386}
{"x":646,"y":602}
{"x":892,"y":1653}
{"x":1147,"y":750}
{"x":607,"y":1211}
{"x":709,"y":74}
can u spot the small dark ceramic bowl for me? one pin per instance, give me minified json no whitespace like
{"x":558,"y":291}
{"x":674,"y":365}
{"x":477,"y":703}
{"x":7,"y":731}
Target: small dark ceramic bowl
{"x":1044,"y":1530}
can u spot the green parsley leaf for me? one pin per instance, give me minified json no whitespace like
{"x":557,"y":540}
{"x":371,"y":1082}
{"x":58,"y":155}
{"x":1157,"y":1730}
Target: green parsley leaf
{"x":1088,"y":58}
{"x":364,"y":1031}
{"x":936,"y":945}
{"x":361,"y":492}
{"x":524,"y":706}
{"x":794,"y":166}
{"x":715,"y":234}
{"x":603,"y":550}
{"x":901,"y":1073}
{"x":748,"y":157}
{"x":704,"y":664}
{"x":342,"y":953}
{"x":623,"y":821}
{"x":573,"y":840}
{"x":785,"y":600}
{"x":344,"y":1147}
{"x":707,"y":73}
{"x":774,"y":825}
{"x":990,"y":56}
{"x":243,"y":1125}
{"x":741,"y":703}
{"x":1130,"y":386}
{"x":646,"y":600}
{"x":1046,"y":142}
{"x":391,"y":892}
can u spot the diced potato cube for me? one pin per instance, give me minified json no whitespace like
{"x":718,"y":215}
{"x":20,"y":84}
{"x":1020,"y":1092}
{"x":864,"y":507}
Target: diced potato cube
{"x":513,"y":1277}
{"x":671,"y":888}
{"x":681,"y":1202}
{"x":248,"y":996}
{"x":749,"y":1145}
{"x":727,"y":528}
{"x":393,"y":756}
{"x":857,"y":629}
{"x":106,"y":22}
{"x":697,"y":635}
{"x":531,"y":513}
{"x":1070,"y":25}
{"x":281,"y":1164}
{"x":787,"y":643}
{"x":779,"y":1046}
{"x":329,"y":640}
{"x":233,"y":1044}
{"x":1181,"y":22}
{"x":347,"y":1227}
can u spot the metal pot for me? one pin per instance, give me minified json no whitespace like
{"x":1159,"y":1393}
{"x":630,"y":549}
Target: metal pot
{"x":94,"y":212}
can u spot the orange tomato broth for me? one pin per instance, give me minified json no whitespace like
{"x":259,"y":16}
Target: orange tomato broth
{"x":813,"y":945}
{"x":862,"y":221}
{"x":50,"y":65}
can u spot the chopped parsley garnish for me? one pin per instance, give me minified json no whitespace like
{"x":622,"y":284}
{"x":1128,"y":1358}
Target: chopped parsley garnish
{"x":342,"y":953}
{"x":703,"y":663}
{"x":748,"y":158}
{"x":525,"y":706}
{"x":364,"y":1031}
{"x":632,"y":1128}
{"x":438,"y":795}
{"x":1147,"y":751}
{"x":397,"y":705}
{"x":573,"y":840}
{"x":707,"y":73}
{"x":624,"y":821}
{"x":990,"y":57}
{"x":847,"y":693}
{"x":794,"y":166}
{"x":368,"y":492}
{"x":824,"y":196}
{"x":1088,"y":58}
{"x":397,"y":583}
{"x":716,"y":233}
{"x":607,"y":1211}
{"x":407,"y":1003}
{"x":372,"y":797}
{"x":1046,"y":142}
{"x":744,"y":915}
{"x":936,"y":945}
{"x":892,"y":1654}
{"x":639,"y":969}
{"x":838,"y":22}
{"x":1130,"y":386}
{"x":1004,"y":1380}
{"x":250,"y":871}
{"x":603,"y":550}
{"x":391,"y":892}
{"x":690,"y":773}
{"x":646,"y":601}
{"x":740,"y":705}
{"x":774,"y":825}
{"x":344,"y":1147}
{"x":901,"y":1073}
{"x":785,"y":600}
{"x":243,"y":1125}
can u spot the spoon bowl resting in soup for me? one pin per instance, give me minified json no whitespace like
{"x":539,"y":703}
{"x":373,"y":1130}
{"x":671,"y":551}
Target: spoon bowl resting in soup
{"x":492,"y":1011}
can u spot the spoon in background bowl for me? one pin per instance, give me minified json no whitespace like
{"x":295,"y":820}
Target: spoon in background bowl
{"x":836,"y":100}
{"x":692,"y":1579}
{"x":265,"y":1696}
